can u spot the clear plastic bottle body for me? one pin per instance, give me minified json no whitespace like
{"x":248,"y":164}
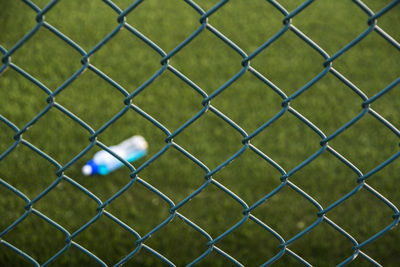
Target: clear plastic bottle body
{"x":103,"y":162}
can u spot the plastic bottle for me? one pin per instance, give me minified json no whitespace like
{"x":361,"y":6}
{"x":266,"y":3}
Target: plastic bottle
{"x":103,"y":162}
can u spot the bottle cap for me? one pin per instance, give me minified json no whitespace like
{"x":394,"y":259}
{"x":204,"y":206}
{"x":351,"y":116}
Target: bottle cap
{"x":90,"y":168}
{"x":87,"y":170}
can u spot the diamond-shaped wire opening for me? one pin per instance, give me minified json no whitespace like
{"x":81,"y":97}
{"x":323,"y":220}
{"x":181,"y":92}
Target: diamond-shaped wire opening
{"x":135,"y":61}
{"x":20,"y":99}
{"x":323,"y":240}
{"x":27,"y":171}
{"x":285,"y":59}
{"x":51,"y":134}
{"x":326,"y":179}
{"x":335,"y":32}
{"x":102,"y":18}
{"x":44,"y":240}
{"x":206,"y":50}
{"x":17,"y":19}
{"x":362,"y":215}
{"x":287,"y":212}
{"x":371,"y":143}
{"x":161,"y":93}
{"x":165,"y":23}
{"x":223,"y":144}
{"x":213,"y":210}
{"x":93,"y":239}
{"x":375,"y":54}
{"x":288,"y":141}
{"x":328,"y":104}
{"x":243,"y":244}
{"x":92,"y":99}
{"x":251,"y":95}
{"x":140,"y":208}
{"x":64,"y":204}
{"x":251,"y":27}
{"x":178,"y":242}
{"x":61,"y":59}
{"x":174,"y":174}
{"x":249,"y":176}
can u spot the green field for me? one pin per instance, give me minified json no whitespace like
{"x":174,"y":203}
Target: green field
{"x":289,"y":63}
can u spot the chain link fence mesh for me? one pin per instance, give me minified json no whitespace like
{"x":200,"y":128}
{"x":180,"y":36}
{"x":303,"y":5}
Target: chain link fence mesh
{"x":129,"y":106}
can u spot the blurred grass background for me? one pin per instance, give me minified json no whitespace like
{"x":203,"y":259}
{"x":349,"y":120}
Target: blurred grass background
{"x":371,"y":65}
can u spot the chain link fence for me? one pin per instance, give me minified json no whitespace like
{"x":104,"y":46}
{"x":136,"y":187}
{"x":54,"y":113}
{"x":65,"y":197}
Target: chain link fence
{"x":248,"y":209}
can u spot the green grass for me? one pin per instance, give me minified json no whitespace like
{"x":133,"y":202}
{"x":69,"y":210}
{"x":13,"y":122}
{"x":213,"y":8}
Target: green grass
{"x":289,"y":63}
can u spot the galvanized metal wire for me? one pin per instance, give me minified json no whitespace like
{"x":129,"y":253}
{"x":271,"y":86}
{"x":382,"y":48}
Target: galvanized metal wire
{"x":129,"y":106}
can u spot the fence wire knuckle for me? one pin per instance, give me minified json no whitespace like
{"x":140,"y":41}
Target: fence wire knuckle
{"x":205,"y":106}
